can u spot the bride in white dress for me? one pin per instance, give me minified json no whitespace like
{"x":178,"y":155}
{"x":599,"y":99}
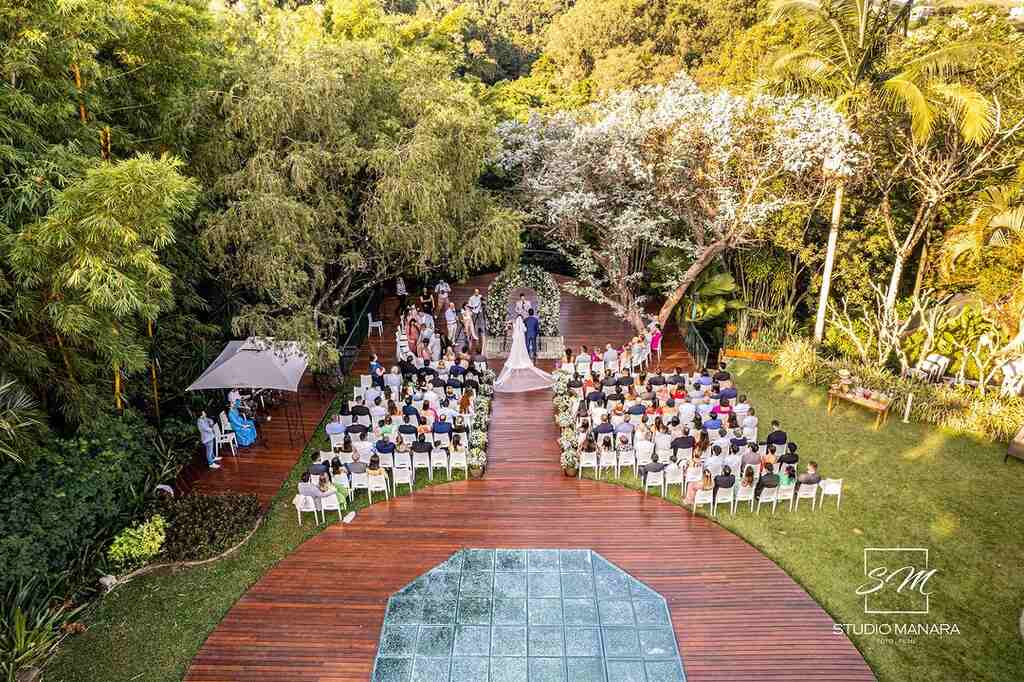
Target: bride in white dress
{"x":519,"y":373}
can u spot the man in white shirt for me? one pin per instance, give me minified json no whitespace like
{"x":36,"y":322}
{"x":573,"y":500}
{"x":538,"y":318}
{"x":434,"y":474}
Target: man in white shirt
{"x":451,"y":321}
{"x":476,"y":308}
{"x":686,"y":411}
{"x":377,"y":411}
{"x":610,"y":354}
{"x":583,"y":357}
{"x":715,"y":461}
{"x":362,"y":445}
{"x":430,"y":396}
{"x":427,"y":321}
{"x":741,"y":408}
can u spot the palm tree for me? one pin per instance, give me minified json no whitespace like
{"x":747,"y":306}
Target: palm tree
{"x":994,"y":233}
{"x":17,"y":416}
{"x":845,"y":57}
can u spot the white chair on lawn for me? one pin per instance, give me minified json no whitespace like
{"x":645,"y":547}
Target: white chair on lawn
{"x":703,"y":497}
{"x":375,"y":324}
{"x":359,"y":482}
{"x":785,"y":494}
{"x":365,"y":381}
{"x":806,"y":491}
{"x":378,"y":484}
{"x":346,"y":420}
{"x":330,"y":503}
{"x":337,"y":440}
{"x":444,"y":439}
{"x":304,"y":503}
{"x":674,"y":475}
{"x":743,"y":495}
{"x":627,"y":458}
{"x":221,"y":438}
{"x":343,"y":457}
{"x":831,"y":486}
{"x":421,"y":460}
{"x":439,"y":460}
{"x":387,"y":460}
{"x":401,"y":476}
{"x":644,"y":450}
{"x":402,"y":460}
{"x":768,"y":495}
{"x":587,"y":459}
{"x":457,"y":460}
{"x":655,"y":479}
{"x":725,"y":496}
{"x":607,"y":459}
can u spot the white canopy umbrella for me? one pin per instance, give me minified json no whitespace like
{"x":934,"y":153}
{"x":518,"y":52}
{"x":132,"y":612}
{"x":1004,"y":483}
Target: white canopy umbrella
{"x":255,"y":363}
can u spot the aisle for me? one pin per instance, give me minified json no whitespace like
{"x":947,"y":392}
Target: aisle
{"x":317,"y":614}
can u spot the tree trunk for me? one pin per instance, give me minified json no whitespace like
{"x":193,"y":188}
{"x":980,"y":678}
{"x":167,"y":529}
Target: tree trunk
{"x":894,"y":281}
{"x":691,"y":274}
{"x":922,"y":264}
{"x":830,"y":259}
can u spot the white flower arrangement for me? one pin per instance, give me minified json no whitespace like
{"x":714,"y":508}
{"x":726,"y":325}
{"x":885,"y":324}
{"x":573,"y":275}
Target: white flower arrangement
{"x":478,"y":439}
{"x":565,"y":419}
{"x":477,"y":457}
{"x":487,"y":376}
{"x":530,"y":277}
{"x":570,"y":458}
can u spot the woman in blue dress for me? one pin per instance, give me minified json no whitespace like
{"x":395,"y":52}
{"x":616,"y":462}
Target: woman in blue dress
{"x":245,"y":429}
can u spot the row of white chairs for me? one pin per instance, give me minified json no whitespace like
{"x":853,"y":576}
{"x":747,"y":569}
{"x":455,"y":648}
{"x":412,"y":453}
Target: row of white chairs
{"x":437,"y":458}
{"x":773,"y":496}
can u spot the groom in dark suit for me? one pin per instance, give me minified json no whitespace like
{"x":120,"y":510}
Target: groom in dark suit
{"x":532,"y":332}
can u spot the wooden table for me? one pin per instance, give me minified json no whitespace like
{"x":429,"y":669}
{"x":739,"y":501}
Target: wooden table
{"x":877,"y":406}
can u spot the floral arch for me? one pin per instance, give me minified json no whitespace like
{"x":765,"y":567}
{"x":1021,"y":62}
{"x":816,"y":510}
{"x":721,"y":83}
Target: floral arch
{"x":523,"y":277}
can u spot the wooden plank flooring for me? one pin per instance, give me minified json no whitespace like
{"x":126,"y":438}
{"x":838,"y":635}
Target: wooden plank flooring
{"x":317,"y":614}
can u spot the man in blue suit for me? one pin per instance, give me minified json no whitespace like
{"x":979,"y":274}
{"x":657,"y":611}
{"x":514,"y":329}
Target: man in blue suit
{"x":532,"y":332}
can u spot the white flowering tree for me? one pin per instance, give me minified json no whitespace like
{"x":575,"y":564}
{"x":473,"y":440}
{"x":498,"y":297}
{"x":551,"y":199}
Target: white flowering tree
{"x":668,"y":166}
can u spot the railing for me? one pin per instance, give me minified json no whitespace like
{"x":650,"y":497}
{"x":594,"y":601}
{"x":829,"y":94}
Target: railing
{"x":696,"y":346}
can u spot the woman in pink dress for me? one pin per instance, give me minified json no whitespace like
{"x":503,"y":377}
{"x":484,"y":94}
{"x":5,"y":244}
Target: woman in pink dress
{"x":656,"y":335}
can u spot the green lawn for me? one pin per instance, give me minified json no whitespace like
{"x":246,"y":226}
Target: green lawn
{"x":905,"y":486}
{"x":150,"y":628}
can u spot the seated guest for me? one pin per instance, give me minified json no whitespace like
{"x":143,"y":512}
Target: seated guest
{"x":752,"y":457}
{"x":609,"y":380}
{"x":421,"y":445}
{"x":789,"y":457}
{"x":345,"y":410}
{"x":682,"y":442}
{"x":458,"y":369}
{"x":335,"y":427}
{"x":769,"y":456}
{"x":406,"y":428}
{"x":767,"y":480}
{"x":742,"y":407}
{"x":356,"y":466}
{"x":810,"y":477}
{"x":705,"y":378}
{"x":654,"y":467}
{"x":722,"y":375}
{"x":712,"y":424}
{"x":605,"y":426}
{"x":596,"y":396}
{"x":375,"y":468}
{"x":626,"y":427}
{"x":727,"y":393}
{"x":657,"y":380}
{"x":360,"y":409}
{"x":625,"y":380}
{"x":356,"y":429}
{"x":715,"y":461}
{"x":245,"y":429}
{"x":378,"y":411}
{"x":734,"y":460}
{"x":636,"y":410}
{"x":737,"y":440}
{"x":576,"y":382}
{"x":362,"y":445}
{"x":748,"y":477}
{"x":384,"y":446}
{"x":460,"y":426}
{"x":777,"y":436}
{"x":409,"y":408}
{"x":317,"y":467}
{"x":721,"y":439}
{"x":407,"y":368}
{"x":724,"y":480}
{"x":442,"y":426}
{"x":788,"y":476}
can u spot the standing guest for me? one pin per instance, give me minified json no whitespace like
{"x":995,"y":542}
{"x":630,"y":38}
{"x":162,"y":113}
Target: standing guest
{"x":656,"y":335}
{"x":532,"y":332}
{"x":451,"y":321}
{"x":476,"y":309}
{"x":566,"y":360}
{"x":412,"y":332}
{"x":427,"y":302}
{"x":402,"y":293}
{"x":209,"y":438}
{"x":610,"y":356}
{"x":245,"y":429}
{"x":441,"y":293}
{"x":583,"y":357}
{"x":469,"y":326}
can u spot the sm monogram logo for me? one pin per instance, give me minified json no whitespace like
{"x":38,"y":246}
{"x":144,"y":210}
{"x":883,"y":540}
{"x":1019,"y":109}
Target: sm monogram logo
{"x":896,"y":580}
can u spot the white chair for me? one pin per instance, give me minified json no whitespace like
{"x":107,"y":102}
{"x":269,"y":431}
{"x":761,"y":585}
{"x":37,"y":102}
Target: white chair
{"x":401,"y":476}
{"x":583,"y":368}
{"x":703,"y":497}
{"x":402,"y":460}
{"x":743,"y":495}
{"x":304,"y":503}
{"x":330,"y":503}
{"x":655,"y":479}
{"x":674,"y":475}
{"x":644,"y":450}
{"x":379,"y":484}
{"x":597,"y":366}
{"x":457,"y":460}
{"x":439,"y":460}
{"x":365,"y":381}
{"x":785,"y":494}
{"x":375,"y":324}
{"x":387,"y":460}
{"x":627,"y":458}
{"x":725,"y":496}
{"x":831,"y":486}
{"x":806,"y":491}
{"x":587,"y":459}
{"x":421,"y":460}
{"x":359,"y":482}
{"x":221,"y":438}
{"x":346,"y":420}
{"x":343,"y":457}
{"x":225,"y":425}
{"x":768,"y":495}
{"x":607,"y":459}
{"x":444,"y":439}
{"x":337,"y":440}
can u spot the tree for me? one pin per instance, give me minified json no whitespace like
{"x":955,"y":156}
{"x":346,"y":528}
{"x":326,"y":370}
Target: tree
{"x":338,"y":164}
{"x":90,"y":274}
{"x":846,"y":55}
{"x":667,"y":166}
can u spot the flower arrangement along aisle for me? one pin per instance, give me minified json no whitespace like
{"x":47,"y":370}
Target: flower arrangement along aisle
{"x":477,"y":457}
{"x":531,"y":277}
{"x":566,"y":405}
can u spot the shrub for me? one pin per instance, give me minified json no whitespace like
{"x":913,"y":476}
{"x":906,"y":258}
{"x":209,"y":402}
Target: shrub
{"x":33,"y":613}
{"x":136,"y":546}
{"x":203,"y":526}
{"x":797,"y":359}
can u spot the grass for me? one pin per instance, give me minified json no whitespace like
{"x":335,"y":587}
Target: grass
{"x":908,"y":485}
{"x":150,"y":628}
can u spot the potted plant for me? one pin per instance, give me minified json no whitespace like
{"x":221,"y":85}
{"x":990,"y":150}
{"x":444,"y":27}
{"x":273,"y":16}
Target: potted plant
{"x":477,"y":460}
{"x":570,"y":462}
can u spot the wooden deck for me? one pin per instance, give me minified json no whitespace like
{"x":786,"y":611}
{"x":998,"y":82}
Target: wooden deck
{"x":317,"y":614}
